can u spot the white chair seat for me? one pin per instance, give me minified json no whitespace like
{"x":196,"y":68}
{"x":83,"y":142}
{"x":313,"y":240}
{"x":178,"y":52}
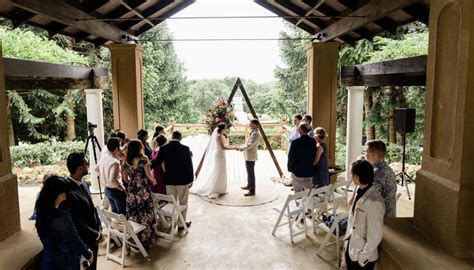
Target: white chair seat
{"x":169,"y":213}
{"x":169,"y":208}
{"x":119,"y":227}
{"x":293,"y":209}
{"x":137,"y":227}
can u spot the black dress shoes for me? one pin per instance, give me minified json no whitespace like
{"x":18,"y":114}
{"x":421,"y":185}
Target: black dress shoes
{"x":250,"y":193}
{"x":245,"y":188}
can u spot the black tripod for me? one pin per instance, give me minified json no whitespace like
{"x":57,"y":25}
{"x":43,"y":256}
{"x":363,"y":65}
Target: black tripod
{"x":95,"y":143}
{"x":405,"y":179}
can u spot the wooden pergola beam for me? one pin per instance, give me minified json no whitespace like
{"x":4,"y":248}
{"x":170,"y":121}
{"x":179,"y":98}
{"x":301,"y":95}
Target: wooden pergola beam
{"x":368,"y":13}
{"x":401,"y":72}
{"x":303,"y":25}
{"x":420,"y":12}
{"x":22,"y":17}
{"x":30,"y":75}
{"x":62,"y":12}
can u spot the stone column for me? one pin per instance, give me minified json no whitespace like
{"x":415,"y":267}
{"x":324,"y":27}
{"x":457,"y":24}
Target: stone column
{"x":445,"y":184}
{"x":322,"y":87}
{"x":127,"y":85}
{"x":95,"y":116}
{"x":355,"y":113}
{"x":9,"y":207}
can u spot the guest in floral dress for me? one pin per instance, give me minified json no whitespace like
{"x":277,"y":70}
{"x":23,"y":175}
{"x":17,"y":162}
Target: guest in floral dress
{"x":135,"y":176}
{"x":158,"y":172}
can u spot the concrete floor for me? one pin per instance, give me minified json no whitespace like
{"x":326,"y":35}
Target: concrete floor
{"x":224,"y":237}
{"x":229,"y":237}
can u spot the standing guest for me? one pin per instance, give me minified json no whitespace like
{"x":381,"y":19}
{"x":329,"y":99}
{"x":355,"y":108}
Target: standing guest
{"x":142,"y":135}
{"x":301,"y":159}
{"x":177,"y":163}
{"x":47,"y":175}
{"x":62,"y":246}
{"x":123,"y":142}
{"x":384,"y":177}
{"x":365,"y":223}
{"x":158,"y":172}
{"x":309,"y":119}
{"x":294,"y":133}
{"x":109,"y":170}
{"x":83,"y":213}
{"x":121,"y":135}
{"x":159,"y":130}
{"x":321,"y":168}
{"x":140,"y":208}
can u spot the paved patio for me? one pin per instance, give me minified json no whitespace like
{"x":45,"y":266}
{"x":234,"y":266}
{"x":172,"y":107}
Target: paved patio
{"x":226,"y":237}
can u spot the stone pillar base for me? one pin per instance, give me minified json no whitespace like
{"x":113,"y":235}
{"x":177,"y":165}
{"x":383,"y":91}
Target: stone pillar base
{"x":403,"y":247}
{"x":9,"y":207}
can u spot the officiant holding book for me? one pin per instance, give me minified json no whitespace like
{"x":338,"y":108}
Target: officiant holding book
{"x":250,"y":149}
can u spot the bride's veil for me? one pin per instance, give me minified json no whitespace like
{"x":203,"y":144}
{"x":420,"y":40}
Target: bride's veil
{"x":205,"y":180}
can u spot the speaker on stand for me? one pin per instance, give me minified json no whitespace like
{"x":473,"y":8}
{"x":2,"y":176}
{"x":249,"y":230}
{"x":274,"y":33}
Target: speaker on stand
{"x":404,"y":123}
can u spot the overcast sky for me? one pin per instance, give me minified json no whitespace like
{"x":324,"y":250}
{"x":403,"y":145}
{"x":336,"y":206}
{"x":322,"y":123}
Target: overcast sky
{"x":246,"y":59}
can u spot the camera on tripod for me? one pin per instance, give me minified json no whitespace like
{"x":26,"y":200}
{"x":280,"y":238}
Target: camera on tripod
{"x":95,"y":144}
{"x":91,"y":127}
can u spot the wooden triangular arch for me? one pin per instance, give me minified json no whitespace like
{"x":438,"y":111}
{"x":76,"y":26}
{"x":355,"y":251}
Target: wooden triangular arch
{"x":238,"y":85}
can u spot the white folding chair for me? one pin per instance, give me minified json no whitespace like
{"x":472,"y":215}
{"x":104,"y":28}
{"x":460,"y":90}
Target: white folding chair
{"x":318,"y":203}
{"x":332,"y":232}
{"x":105,"y":222}
{"x":118,"y":226}
{"x":336,"y":198}
{"x":169,"y":212}
{"x":294,"y":208}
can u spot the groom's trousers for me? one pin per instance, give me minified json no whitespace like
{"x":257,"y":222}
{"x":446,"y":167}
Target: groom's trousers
{"x":250,"y":165}
{"x":179,"y":193}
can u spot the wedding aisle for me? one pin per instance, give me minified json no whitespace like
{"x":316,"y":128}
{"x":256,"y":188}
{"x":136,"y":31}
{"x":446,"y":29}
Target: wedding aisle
{"x":226,"y":237}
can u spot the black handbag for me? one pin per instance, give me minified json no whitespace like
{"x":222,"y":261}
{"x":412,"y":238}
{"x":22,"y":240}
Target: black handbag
{"x":330,"y":219}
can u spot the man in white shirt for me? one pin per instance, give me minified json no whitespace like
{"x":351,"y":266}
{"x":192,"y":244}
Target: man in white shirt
{"x":294,"y":133}
{"x":109,"y":170}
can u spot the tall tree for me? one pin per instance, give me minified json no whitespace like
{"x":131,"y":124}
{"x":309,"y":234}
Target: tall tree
{"x":166,"y":90}
{"x":290,"y":97}
{"x":31,"y":110}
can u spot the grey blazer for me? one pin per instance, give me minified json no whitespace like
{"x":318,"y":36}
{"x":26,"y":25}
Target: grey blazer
{"x":250,"y":148}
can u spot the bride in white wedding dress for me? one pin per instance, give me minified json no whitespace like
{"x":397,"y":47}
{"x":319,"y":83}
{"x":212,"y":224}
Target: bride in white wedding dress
{"x":212,"y":181}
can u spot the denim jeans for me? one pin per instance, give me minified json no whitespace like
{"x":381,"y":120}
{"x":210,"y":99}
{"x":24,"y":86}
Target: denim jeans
{"x":117,"y":199}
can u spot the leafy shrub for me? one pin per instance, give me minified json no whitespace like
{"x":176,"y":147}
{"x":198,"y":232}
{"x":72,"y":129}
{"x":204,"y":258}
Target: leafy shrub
{"x":45,"y":153}
{"x":275,"y":141}
{"x":413,"y":155}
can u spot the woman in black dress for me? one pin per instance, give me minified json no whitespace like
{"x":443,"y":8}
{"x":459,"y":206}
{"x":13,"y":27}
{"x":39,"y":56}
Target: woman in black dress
{"x":321,"y":168}
{"x":142,"y":135}
{"x":63,"y":248}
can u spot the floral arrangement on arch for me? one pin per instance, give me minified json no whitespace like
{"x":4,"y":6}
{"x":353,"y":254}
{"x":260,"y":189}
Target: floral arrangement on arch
{"x":222,"y":111}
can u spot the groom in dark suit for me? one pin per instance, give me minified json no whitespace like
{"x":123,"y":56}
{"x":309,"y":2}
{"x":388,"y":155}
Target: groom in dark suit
{"x":83,"y":213}
{"x":177,"y":163}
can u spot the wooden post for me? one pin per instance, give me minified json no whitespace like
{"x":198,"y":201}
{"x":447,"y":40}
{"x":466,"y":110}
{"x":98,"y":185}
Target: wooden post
{"x":238,"y":84}
{"x":265,"y":139}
